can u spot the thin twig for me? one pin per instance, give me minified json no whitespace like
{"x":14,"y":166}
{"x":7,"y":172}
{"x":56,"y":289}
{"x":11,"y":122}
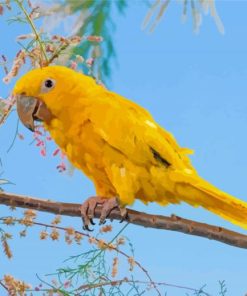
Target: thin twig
{"x":8,"y":110}
{"x":57,"y":53}
{"x":19,"y":3}
{"x":88,"y":287}
{"x":5,"y":287}
{"x":15,"y":136}
{"x":107,"y":245}
{"x":173,"y":223}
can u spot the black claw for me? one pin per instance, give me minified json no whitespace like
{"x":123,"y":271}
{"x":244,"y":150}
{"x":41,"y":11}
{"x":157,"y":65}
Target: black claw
{"x":124,"y":218}
{"x":102,"y":222}
{"x":91,"y":221}
{"x":85,"y":227}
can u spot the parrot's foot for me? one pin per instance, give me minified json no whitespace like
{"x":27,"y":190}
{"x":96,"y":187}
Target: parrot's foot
{"x":107,"y":204}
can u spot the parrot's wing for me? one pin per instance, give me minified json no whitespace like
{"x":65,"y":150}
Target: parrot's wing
{"x":131,"y":130}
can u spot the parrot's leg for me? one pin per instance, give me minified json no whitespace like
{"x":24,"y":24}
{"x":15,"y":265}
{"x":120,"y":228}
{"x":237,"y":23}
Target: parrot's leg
{"x":107,"y":204}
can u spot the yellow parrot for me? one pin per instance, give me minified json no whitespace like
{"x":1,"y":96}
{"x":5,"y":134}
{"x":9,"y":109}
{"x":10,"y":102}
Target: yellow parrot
{"x":117,"y":144}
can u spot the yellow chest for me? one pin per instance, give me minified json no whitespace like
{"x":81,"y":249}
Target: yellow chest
{"x":82,"y":145}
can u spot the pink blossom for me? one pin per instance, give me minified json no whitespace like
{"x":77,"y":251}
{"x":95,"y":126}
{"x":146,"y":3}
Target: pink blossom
{"x":73,"y":65}
{"x":56,"y":152}
{"x":43,"y":152}
{"x":61,"y":167}
{"x":90,"y":62}
{"x":20,"y":136}
{"x":67,"y":284}
{"x":94,"y":38}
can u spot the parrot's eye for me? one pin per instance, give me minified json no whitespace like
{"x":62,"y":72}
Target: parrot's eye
{"x":48,"y":85}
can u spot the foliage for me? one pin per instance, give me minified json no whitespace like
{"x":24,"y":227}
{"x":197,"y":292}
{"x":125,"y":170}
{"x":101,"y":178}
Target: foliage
{"x":197,"y":7}
{"x":92,"y":18}
{"x":223,"y":289}
{"x":3,"y":182}
{"x":98,"y":270}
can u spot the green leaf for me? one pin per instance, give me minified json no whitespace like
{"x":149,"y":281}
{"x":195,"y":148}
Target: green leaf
{"x":99,"y":22}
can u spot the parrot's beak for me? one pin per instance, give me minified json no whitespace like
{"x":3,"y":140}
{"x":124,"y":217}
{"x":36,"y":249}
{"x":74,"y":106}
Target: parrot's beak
{"x":30,"y":109}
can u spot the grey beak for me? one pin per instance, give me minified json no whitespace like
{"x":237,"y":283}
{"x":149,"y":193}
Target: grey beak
{"x":30,"y":109}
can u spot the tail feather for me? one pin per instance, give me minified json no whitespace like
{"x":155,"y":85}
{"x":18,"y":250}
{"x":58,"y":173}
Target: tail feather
{"x":198,"y":192}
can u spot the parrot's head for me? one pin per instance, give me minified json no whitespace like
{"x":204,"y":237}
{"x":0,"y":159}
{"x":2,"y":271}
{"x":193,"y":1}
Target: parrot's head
{"x":44,"y":92}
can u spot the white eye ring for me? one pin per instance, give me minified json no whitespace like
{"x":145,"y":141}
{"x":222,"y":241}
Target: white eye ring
{"x":48,"y":85}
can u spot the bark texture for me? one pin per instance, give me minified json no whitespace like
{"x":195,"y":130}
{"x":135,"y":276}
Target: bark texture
{"x":173,"y":223}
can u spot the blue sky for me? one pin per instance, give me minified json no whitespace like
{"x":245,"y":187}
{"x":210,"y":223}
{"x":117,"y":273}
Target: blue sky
{"x":195,"y":87}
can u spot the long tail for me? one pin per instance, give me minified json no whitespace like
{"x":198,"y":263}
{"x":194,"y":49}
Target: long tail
{"x":198,"y":192}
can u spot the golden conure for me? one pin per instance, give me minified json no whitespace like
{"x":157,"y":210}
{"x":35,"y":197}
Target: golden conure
{"x":117,"y":144}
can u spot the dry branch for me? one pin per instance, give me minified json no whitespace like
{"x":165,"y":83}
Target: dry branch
{"x":173,"y":223}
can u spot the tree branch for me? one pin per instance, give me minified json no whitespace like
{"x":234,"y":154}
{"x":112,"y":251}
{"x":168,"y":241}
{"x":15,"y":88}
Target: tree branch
{"x":173,"y":223}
